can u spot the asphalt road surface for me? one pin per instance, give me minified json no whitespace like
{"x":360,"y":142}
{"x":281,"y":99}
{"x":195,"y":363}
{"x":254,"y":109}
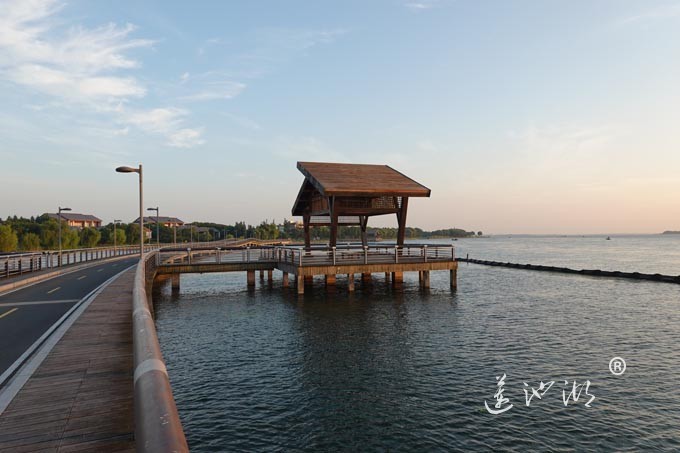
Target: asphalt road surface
{"x":27,"y":313}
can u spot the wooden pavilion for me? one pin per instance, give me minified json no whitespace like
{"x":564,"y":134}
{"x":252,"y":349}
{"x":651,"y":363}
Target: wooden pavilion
{"x":335,"y":194}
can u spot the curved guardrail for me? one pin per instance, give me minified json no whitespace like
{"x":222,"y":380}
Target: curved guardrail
{"x":157,"y":424}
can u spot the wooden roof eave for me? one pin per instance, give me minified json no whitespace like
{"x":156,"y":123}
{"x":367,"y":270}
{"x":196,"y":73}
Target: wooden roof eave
{"x":308,"y":177}
{"x":365,"y":194}
{"x":298,"y":208}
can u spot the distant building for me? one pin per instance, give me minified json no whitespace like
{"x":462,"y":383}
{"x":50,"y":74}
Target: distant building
{"x":169,"y":222}
{"x":78,"y":220}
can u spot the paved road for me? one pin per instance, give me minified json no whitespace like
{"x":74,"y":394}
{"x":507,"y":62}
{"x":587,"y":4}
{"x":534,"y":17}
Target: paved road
{"x":27,"y":313}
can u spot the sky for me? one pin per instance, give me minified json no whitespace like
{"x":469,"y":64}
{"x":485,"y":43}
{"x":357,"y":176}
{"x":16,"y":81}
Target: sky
{"x":521,"y":116}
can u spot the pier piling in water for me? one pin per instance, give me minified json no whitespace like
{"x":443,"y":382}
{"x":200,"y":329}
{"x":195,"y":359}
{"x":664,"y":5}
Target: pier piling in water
{"x":350,"y":282}
{"x":251,"y":278}
{"x":300,"y":283}
{"x":425,"y":279}
{"x":285,"y":280}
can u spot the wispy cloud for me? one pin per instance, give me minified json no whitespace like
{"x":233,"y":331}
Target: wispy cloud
{"x":206,"y":44}
{"x":80,"y":67}
{"x":160,"y":120}
{"x":656,"y":13}
{"x":421,"y":5}
{"x":76,"y":65}
{"x":209,"y":87}
{"x":168,"y":122}
{"x":186,"y":138}
{"x":274,"y":46}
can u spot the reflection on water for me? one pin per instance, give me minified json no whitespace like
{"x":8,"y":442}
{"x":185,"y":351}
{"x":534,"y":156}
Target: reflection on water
{"x":378,"y":370}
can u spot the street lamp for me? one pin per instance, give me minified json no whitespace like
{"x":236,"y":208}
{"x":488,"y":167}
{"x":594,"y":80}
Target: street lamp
{"x":60,"y":210}
{"x":141,"y":204}
{"x":115,"y":222}
{"x":158,"y":235}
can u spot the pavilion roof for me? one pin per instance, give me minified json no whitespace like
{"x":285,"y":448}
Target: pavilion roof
{"x":353,"y":180}
{"x":360,"y":180}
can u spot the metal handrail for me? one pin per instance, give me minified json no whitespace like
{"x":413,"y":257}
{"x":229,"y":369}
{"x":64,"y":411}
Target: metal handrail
{"x":318,"y":255}
{"x":22,"y":263}
{"x":157,"y":424}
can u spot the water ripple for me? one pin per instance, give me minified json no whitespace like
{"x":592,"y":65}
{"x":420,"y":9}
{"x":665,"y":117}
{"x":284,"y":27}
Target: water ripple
{"x":383,"y":371}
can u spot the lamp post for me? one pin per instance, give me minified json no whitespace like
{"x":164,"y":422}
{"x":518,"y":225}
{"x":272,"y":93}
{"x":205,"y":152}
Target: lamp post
{"x":59,"y":221}
{"x":141,"y":204}
{"x":158,"y":234}
{"x":115,"y":222}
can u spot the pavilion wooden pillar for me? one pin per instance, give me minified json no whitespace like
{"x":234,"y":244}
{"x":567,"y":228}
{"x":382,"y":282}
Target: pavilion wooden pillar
{"x":333,"y":241}
{"x":305,"y":222}
{"x":363,"y":223}
{"x":401,"y":218}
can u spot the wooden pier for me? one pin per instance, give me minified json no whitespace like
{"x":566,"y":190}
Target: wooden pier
{"x":304,"y":263}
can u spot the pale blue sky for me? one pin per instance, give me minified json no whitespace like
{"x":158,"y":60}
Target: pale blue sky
{"x":521,"y":116}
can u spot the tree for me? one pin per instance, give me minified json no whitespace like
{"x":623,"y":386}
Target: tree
{"x":30,"y":242}
{"x":8,"y":239}
{"x":89,"y":237}
{"x":120,"y":236}
{"x":479,"y":233}
{"x":48,"y":234}
{"x":69,"y":237}
{"x":240,"y":229}
{"x":132,"y":233}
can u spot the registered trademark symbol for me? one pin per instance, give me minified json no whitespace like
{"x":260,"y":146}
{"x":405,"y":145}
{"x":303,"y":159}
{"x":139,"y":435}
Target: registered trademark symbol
{"x":617,"y":366}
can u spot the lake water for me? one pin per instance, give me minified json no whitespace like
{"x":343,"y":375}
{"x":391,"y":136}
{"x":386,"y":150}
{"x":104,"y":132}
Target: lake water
{"x":379,"y":370}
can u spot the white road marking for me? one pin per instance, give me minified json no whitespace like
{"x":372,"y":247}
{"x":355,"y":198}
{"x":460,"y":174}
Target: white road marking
{"x":8,"y":312}
{"x":99,"y":270}
{"x":53,"y":290}
{"x":40,"y":302}
{"x":82,"y":277}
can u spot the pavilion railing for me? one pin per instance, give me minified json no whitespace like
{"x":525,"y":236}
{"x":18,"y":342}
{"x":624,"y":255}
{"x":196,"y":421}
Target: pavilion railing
{"x":312,"y":256}
{"x":352,"y":254}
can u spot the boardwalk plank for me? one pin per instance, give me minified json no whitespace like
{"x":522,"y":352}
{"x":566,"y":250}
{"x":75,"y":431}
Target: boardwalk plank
{"x":81,"y":397}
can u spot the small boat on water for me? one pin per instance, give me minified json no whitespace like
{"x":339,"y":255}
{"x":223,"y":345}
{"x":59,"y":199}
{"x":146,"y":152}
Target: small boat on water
{"x":608,"y":238}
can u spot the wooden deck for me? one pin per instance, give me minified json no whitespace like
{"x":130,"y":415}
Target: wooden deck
{"x":81,"y":397}
{"x":304,"y":263}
